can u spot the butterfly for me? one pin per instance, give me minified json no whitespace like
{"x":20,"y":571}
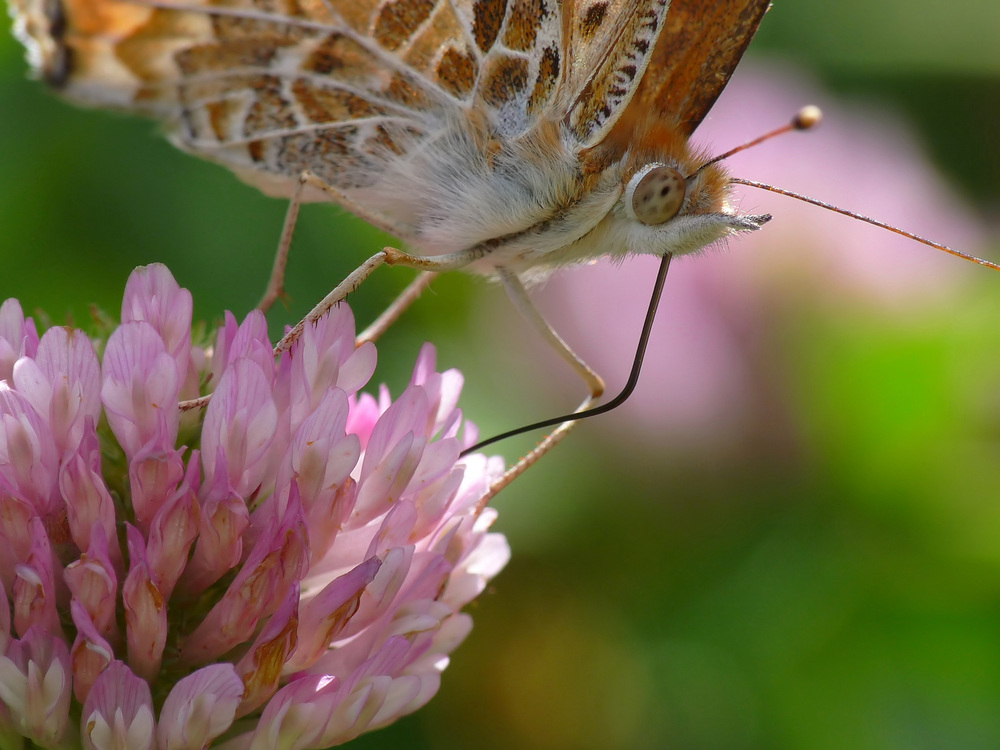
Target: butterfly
{"x":504,"y":137}
{"x":524,"y":134}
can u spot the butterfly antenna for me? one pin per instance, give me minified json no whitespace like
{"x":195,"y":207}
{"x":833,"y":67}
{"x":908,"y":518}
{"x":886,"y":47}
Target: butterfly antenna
{"x":808,"y":117}
{"x":633,"y":376}
{"x":868,"y":220}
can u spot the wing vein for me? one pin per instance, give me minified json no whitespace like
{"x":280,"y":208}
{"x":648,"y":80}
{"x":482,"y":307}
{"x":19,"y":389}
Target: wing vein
{"x":390,"y":60}
{"x":286,"y":132}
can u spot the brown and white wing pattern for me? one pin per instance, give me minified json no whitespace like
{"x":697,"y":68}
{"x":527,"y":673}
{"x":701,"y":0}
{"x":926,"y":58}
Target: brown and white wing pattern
{"x":268,"y":87}
{"x":514,"y":60}
{"x":272,"y":88}
{"x":452,"y":123}
{"x":692,"y":61}
{"x":610,"y":46}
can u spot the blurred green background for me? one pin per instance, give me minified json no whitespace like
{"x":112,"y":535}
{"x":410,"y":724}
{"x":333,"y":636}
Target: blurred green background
{"x":833,"y":584}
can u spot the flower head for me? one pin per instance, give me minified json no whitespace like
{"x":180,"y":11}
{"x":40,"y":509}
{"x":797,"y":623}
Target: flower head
{"x":288,"y":570}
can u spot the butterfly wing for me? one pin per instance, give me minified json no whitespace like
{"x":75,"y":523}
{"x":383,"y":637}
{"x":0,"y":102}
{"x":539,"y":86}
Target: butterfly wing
{"x":700,"y":46}
{"x":274,"y":87}
{"x":356,"y":90}
{"x":609,"y":48}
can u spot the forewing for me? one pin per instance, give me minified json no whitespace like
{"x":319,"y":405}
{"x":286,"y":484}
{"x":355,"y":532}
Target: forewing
{"x":700,"y":46}
{"x":610,"y":46}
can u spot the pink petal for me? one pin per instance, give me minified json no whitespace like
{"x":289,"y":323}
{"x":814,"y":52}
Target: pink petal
{"x":220,"y":541}
{"x":354,"y":713}
{"x":240,"y":422}
{"x":363,"y":417}
{"x":325,"y":615}
{"x":395,"y":529}
{"x":321,"y":453}
{"x":200,"y":707}
{"x":28,"y":457}
{"x":18,"y":337}
{"x":362,"y":696}
{"x":145,"y":610}
{"x":435,"y":501}
{"x":72,"y":376}
{"x":469,"y":580}
{"x":296,"y":716}
{"x":5,"y":620}
{"x":276,"y":563}
{"x":326,"y":517}
{"x":358,"y":368}
{"x":224,"y":337}
{"x":86,"y":496}
{"x":93,"y":583}
{"x":450,"y":634}
{"x":34,"y":589}
{"x":15,"y":545}
{"x":437,"y":460}
{"x":152,"y":295}
{"x":91,"y":653}
{"x":141,"y":388}
{"x":172,"y":532}
{"x":325,"y":357}
{"x":118,"y":712}
{"x":246,"y":341}
{"x":442,"y":389}
{"x":154,"y":476}
{"x":30,"y":381}
{"x":35,"y":686}
{"x":383,"y":484}
{"x":263,"y":665}
{"x":319,"y":460}
{"x":380,"y":595}
{"x":470,"y":435}
{"x":480,"y":474}
{"x":408,"y":415}
{"x":405,"y":695}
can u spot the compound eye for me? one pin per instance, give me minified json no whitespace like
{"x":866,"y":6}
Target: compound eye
{"x":654,"y":194}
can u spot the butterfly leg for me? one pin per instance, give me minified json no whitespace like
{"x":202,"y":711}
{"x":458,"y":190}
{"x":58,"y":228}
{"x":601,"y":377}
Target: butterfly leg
{"x":308,"y":180}
{"x":387,"y":256}
{"x":276,"y":284}
{"x":519,"y":296}
{"x":547,"y":443}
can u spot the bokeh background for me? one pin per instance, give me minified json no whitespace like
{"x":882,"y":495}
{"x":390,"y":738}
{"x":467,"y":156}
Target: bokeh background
{"x":790,"y":538}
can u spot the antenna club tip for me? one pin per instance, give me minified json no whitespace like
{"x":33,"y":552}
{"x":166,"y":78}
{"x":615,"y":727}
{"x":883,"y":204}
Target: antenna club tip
{"x":808,"y":117}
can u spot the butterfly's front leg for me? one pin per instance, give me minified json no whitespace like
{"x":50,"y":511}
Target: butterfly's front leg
{"x":308,"y":180}
{"x":595,"y":383}
{"x":276,"y":283}
{"x":519,"y":297}
{"x":387,"y":256}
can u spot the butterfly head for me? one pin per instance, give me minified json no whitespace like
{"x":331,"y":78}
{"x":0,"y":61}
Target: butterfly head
{"x":672,"y":199}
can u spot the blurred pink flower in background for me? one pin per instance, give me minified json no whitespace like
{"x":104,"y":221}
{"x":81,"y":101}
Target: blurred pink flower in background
{"x":291,"y":576}
{"x":703,"y":365}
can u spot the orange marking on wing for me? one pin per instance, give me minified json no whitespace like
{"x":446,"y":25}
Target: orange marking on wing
{"x":545,"y":84}
{"x":488,"y":17}
{"x":457,"y":72}
{"x":398,"y":21}
{"x":696,"y":54}
{"x":525,"y":19}
{"x":323,"y":104}
{"x":504,"y":79}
